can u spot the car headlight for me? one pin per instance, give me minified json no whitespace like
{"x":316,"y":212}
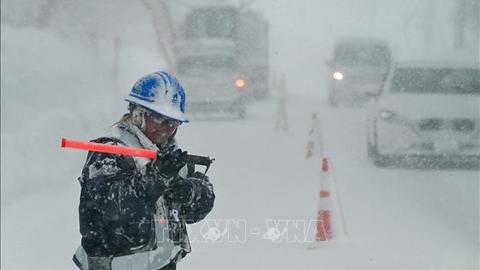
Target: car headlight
{"x":338,"y":75}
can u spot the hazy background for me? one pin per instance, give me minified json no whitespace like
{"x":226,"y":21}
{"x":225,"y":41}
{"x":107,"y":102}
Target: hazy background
{"x":66,"y":66}
{"x":302,"y":32}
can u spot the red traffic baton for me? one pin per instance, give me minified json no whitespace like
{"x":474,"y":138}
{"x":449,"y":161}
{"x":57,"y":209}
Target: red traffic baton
{"x":108,"y":148}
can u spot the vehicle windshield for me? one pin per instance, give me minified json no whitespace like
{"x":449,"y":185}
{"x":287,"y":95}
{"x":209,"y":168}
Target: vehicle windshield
{"x":436,"y":81}
{"x":195,"y":64}
{"x":211,"y":23}
{"x":362,"y":54}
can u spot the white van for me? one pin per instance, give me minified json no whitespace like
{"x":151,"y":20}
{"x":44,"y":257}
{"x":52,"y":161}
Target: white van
{"x":357,"y":70}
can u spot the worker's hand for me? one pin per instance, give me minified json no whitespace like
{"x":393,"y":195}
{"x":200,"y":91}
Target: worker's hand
{"x":200,"y":176}
{"x":180,"y":190}
{"x":171,"y":163}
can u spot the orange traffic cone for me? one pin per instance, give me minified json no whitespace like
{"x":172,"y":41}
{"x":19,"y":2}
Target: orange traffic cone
{"x":324,"y":226}
{"x":330,"y":225}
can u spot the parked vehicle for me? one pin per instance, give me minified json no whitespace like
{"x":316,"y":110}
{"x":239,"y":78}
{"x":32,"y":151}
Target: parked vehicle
{"x":427,"y":113}
{"x":357,"y":69}
{"x":222,"y":55}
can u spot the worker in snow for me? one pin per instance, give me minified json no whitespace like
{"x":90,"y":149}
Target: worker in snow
{"x":133,"y":211}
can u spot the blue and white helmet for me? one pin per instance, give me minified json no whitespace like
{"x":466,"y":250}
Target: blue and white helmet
{"x":162,"y":93}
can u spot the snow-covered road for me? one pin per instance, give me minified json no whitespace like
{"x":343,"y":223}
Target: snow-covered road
{"x":396,"y":218}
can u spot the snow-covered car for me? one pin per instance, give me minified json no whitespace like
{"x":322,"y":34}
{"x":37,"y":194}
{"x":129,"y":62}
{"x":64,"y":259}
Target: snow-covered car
{"x":427,"y":114}
{"x":358,"y":67}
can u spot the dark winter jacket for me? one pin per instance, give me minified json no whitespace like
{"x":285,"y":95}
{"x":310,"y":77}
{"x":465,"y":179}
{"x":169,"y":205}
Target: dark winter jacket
{"x":120,"y":203}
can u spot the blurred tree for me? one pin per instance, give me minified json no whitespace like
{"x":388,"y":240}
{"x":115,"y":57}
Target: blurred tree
{"x":460,"y":18}
{"x":164,"y":30}
{"x":466,"y":19}
{"x":28,"y":13}
{"x":45,"y":12}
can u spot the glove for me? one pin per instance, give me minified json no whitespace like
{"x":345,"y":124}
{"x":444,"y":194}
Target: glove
{"x":180,"y":190}
{"x":171,"y":163}
{"x":200,"y":176}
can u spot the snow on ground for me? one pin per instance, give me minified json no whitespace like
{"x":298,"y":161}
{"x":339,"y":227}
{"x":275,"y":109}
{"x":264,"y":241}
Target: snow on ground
{"x":396,"y":218}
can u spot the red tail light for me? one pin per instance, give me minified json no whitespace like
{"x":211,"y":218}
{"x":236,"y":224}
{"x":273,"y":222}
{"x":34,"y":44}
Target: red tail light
{"x":240,"y":84}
